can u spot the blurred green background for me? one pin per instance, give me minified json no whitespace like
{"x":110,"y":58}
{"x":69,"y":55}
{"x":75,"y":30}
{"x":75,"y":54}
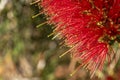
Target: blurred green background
{"x":26,"y":53}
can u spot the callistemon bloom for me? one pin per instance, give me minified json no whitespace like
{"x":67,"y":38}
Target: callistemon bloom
{"x":88,"y":27}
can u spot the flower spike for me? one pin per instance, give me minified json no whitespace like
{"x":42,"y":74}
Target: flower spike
{"x":89,"y":26}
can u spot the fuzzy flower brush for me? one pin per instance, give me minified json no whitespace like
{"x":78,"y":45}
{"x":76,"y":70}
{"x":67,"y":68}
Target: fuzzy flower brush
{"x":88,"y":27}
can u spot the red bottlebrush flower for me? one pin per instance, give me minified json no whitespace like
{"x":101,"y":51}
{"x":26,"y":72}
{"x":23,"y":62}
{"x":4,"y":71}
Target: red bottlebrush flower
{"x":87,"y":27}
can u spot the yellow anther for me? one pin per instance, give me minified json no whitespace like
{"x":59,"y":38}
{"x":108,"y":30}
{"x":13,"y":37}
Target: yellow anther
{"x":35,"y":2}
{"x":41,"y":24}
